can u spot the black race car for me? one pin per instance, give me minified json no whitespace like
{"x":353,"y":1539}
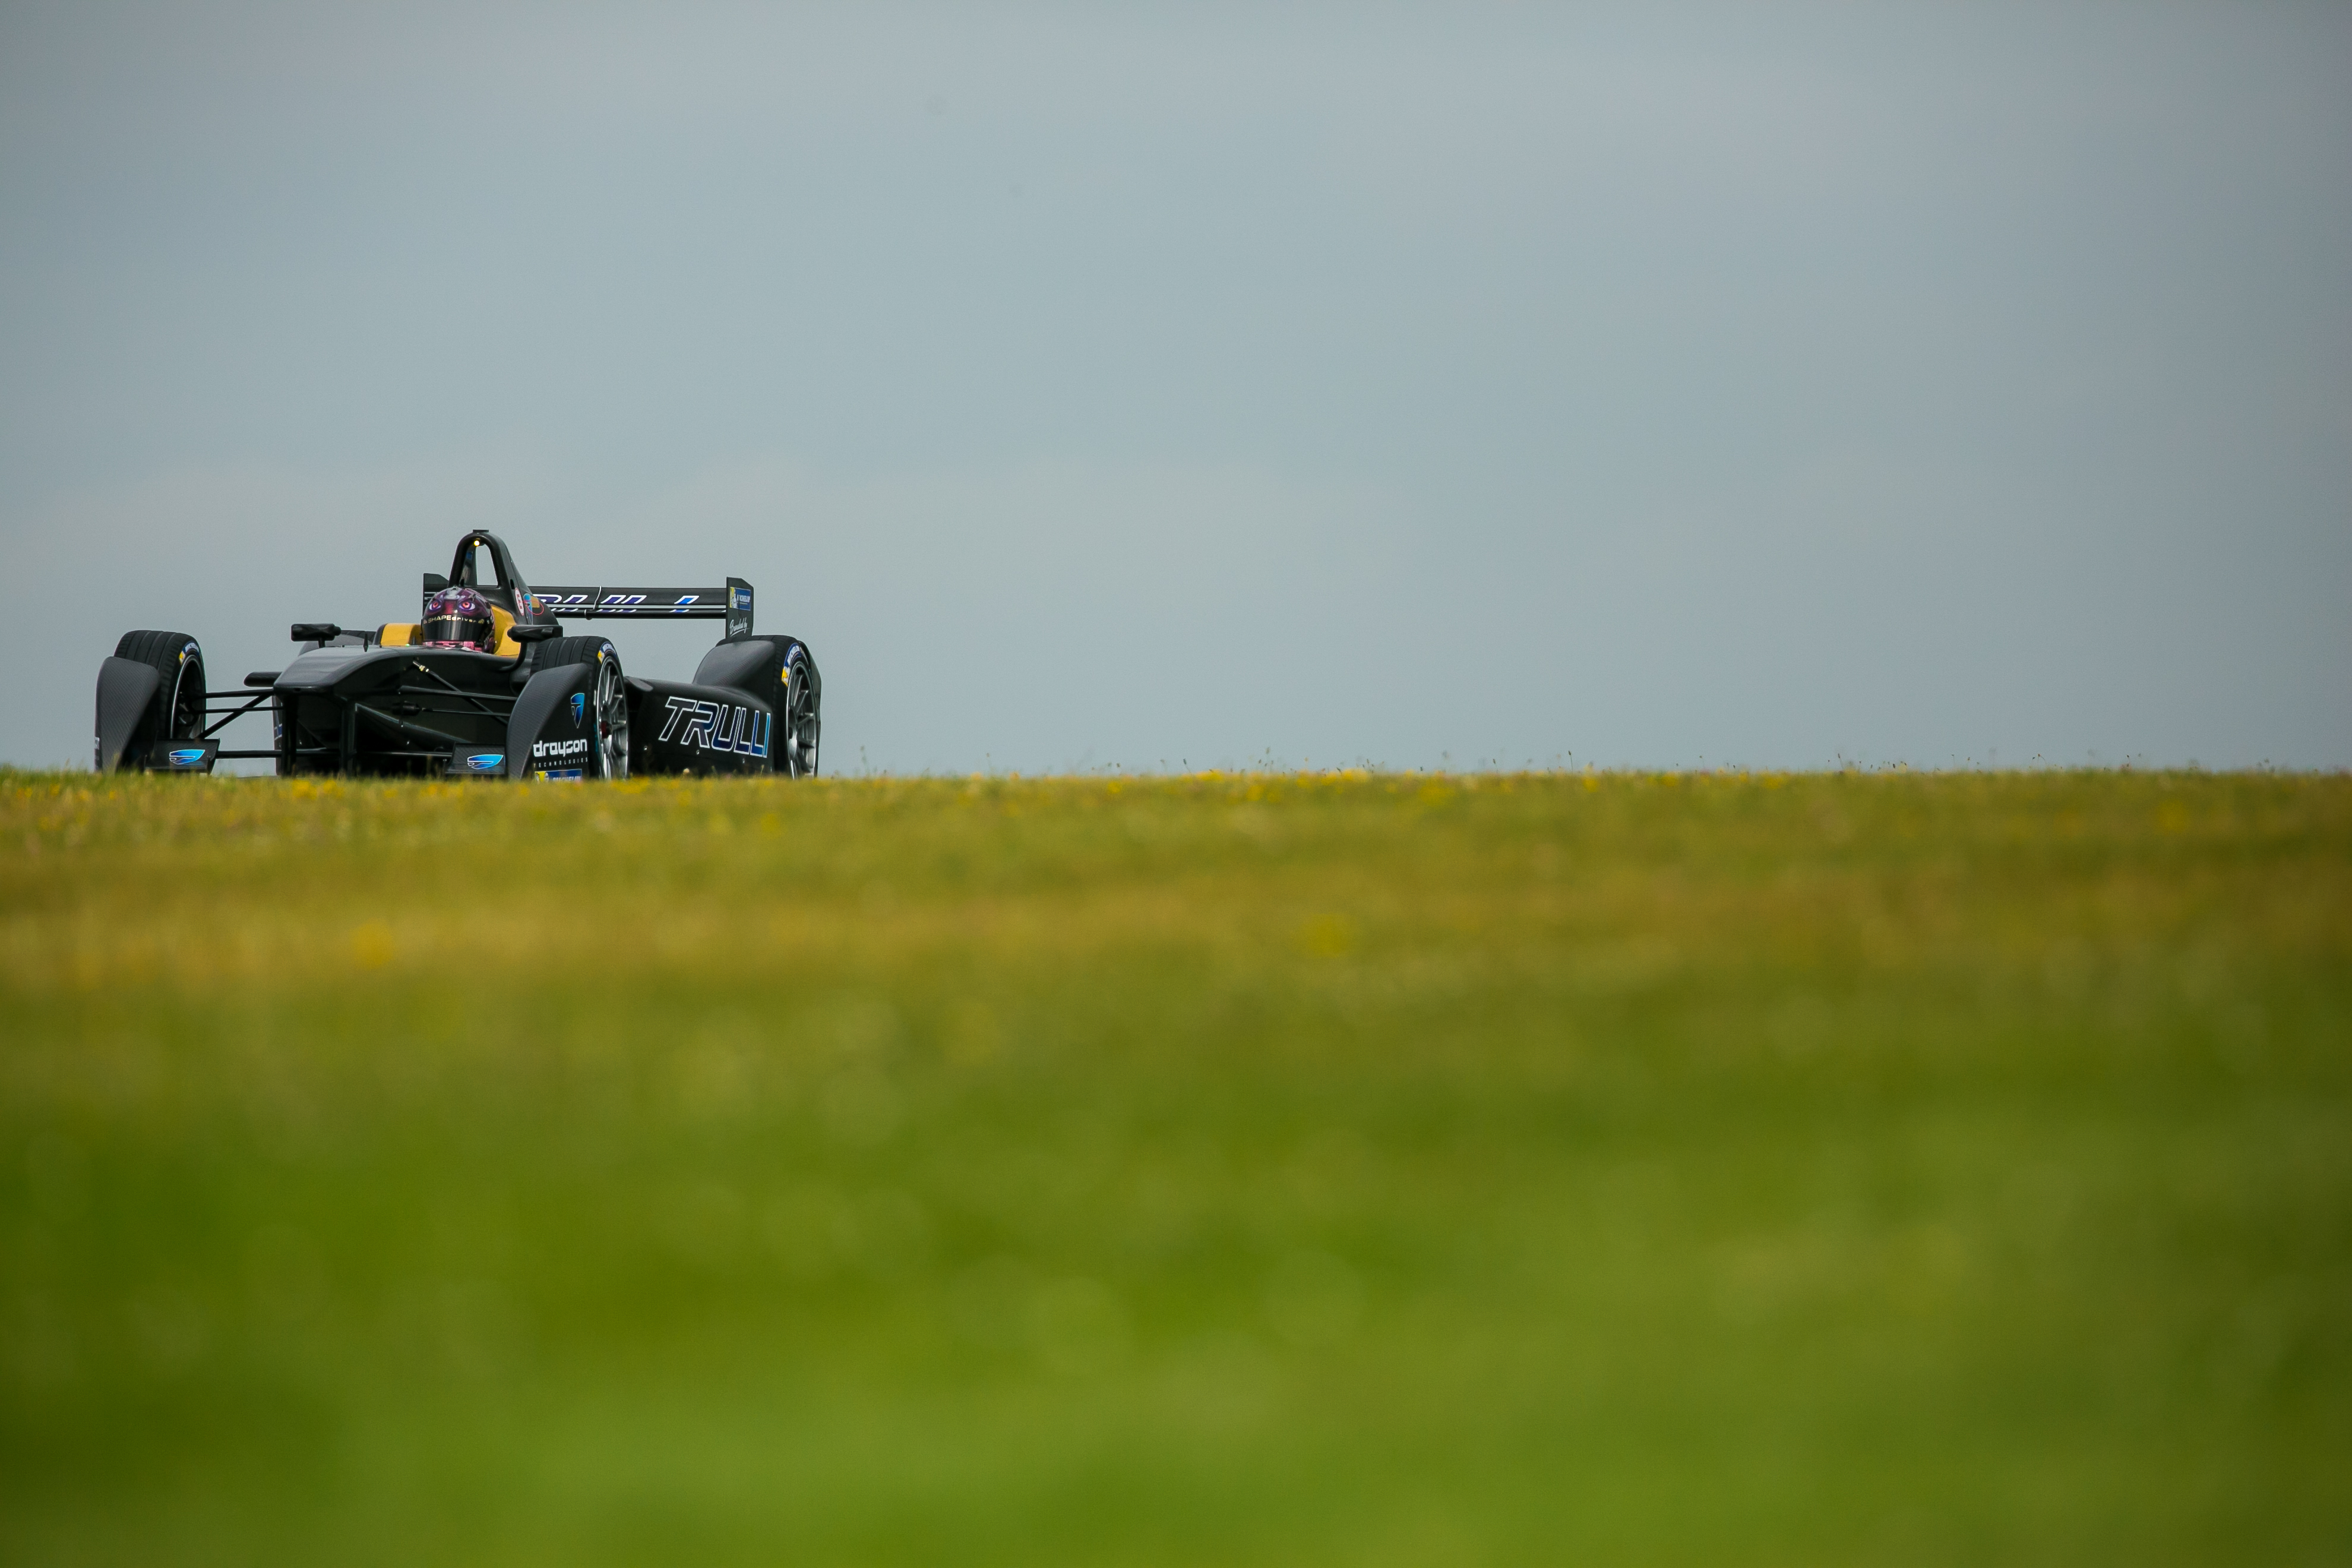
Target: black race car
{"x":485,"y":685}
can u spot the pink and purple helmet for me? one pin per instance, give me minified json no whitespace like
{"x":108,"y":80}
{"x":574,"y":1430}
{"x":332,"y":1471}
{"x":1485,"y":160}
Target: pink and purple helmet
{"x":457,"y":617}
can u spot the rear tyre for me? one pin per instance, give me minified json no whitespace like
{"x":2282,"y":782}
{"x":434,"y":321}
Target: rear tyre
{"x":801,"y":720}
{"x":177,"y":712}
{"x":608,"y":754}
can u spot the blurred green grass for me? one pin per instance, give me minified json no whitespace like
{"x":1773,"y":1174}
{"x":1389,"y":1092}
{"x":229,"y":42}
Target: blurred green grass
{"x":1643,"y":1169}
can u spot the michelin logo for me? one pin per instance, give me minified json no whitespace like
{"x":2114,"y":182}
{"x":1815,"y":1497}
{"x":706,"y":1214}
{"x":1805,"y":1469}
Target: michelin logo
{"x":718,"y":726}
{"x":559,"y":748}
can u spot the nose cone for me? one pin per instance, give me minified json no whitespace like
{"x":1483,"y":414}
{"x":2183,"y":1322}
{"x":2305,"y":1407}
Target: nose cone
{"x":322,"y":667}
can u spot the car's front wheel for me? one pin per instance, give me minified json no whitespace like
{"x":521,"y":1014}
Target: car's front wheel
{"x":176,"y":712}
{"x":608,"y":750}
{"x":612,"y":701}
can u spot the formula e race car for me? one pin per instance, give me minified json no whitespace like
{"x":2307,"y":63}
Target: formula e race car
{"x":484,"y":684}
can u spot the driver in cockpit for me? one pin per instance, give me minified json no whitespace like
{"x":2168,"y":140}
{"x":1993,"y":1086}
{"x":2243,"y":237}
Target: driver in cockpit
{"x":457,"y":617}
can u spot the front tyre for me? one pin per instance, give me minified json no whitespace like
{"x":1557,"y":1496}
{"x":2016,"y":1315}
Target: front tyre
{"x":176,"y":712}
{"x":611,"y":747}
{"x":608,"y":748}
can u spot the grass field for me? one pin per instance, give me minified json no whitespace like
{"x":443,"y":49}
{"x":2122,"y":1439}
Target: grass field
{"x":1901,"y":1169}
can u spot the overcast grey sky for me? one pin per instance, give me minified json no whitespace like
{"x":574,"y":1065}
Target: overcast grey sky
{"x":1755,"y":384}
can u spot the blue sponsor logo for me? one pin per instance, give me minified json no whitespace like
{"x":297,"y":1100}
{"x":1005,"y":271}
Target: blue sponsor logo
{"x":484,"y":761}
{"x":186,"y":756}
{"x":573,"y":774}
{"x":579,"y":706}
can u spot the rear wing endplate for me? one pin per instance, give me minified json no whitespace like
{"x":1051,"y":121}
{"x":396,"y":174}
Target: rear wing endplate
{"x":731,"y":603}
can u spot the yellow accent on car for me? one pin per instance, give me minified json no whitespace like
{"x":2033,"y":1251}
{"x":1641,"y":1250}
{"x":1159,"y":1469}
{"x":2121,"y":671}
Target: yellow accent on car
{"x":404,"y":634}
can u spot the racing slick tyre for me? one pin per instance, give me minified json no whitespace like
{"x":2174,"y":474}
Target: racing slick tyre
{"x":796,"y":757}
{"x":176,"y":712}
{"x":609,"y":758}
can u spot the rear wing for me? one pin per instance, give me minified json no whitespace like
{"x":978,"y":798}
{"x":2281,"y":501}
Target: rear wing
{"x":731,"y":603}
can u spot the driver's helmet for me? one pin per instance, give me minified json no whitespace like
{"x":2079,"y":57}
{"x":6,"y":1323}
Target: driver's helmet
{"x":457,"y":617}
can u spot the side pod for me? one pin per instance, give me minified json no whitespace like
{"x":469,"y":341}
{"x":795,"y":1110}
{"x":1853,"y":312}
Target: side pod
{"x":125,"y":690}
{"x":553,"y":732}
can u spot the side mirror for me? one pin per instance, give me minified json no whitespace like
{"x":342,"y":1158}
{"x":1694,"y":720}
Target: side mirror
{"x":539,"y":633}
{"x":434,"y":581}
{"x":316,"y":631}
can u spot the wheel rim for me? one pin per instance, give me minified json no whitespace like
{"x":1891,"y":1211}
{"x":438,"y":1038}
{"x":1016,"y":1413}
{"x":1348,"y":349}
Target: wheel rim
{"x":800,"y":742}
{"x":187,"y":714}
{"x":612,"y":722}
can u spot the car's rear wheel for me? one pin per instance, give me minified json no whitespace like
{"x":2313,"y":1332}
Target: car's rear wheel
{"x":177,"y":710}
{"x":801,"y":720}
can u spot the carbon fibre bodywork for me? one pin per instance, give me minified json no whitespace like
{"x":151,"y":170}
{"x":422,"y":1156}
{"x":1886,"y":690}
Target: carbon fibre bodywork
{"x":360,"y":709}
